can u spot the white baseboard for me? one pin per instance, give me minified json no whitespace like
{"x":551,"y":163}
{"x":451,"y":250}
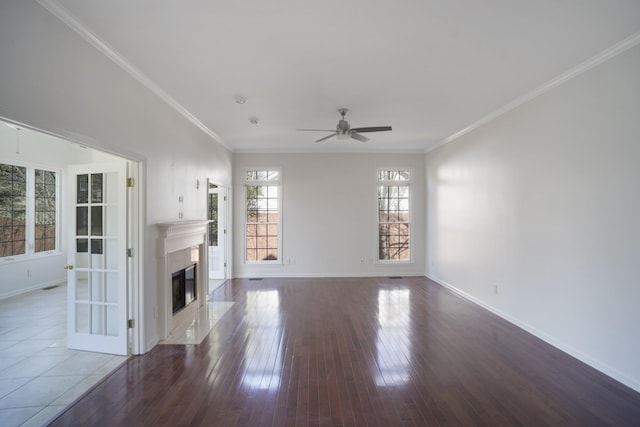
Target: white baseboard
{"x":594,"y":363}
{"x":276,"y":275}
{"x":32,"y":288}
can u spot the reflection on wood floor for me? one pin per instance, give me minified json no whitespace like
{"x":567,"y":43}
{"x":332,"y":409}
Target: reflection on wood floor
{"x":355,"y":352}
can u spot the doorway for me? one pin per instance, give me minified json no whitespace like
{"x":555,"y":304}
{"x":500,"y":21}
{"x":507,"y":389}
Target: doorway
{"x":33,"y":269}
{"x":43,"y":373}
{"x":217,"y":215}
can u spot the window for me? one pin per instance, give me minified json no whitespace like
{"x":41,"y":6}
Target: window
{"x":45,"y":211}
{"x":213,"y":215}
{"x":393,"y":215}
{"x":28,"y":210}
{"x":263,"y":207}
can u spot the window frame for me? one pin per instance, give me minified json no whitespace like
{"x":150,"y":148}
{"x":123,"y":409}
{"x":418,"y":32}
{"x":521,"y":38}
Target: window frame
{"x":409,"y":184}
{"x":30,"y":213}
{"x":276,"y":182}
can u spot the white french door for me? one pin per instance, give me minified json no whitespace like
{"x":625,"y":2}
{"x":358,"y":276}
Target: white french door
{"x":217,"y":231}
{"x":97,"y":269}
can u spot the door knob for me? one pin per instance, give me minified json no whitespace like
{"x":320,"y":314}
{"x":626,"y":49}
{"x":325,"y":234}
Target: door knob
{"x":68,"y":267}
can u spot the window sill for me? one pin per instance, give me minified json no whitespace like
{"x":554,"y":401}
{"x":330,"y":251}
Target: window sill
{"x":265,"y":263}
{"x":393,"y":262}
{"x":29,"y":257}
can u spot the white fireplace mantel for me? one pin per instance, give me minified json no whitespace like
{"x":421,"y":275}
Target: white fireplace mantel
{"x":176,"y":237}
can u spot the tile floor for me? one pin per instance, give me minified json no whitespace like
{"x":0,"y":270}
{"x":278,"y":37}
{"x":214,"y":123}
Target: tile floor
{"x":39,"y":376}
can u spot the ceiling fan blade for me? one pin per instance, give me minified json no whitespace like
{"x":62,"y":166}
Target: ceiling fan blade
{"x":318,"y":130}
{"x":359,"y":137}
{"x":372,"y":129}
{"x":326,"y":137}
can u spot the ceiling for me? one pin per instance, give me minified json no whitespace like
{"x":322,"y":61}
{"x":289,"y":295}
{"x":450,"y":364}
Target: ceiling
{"x":429,"y":68}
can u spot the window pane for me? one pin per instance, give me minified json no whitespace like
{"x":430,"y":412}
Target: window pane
{"x":13,"y":205}
{"x":45,"y":210}
{"x":96,"y":220}
{"x":262,"y":175}
{"x":82,"y":189}
{"x":82,"y":245}
{"x":82,"y":220}
{"x":393,"y":175}
{"x":96,"y":188}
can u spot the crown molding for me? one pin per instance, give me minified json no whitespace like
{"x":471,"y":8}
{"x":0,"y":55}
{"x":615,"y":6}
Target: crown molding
{"x":590,"y":63}
{"x":72,"y":22}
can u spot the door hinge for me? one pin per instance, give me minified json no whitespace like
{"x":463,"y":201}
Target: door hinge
{"x":130,"y":252}
{"x":131,"y":182}
{"x":225,"y":198}
{"x":225,"y":231}
{"x":225,"y":264}
{"x":131,"y":323}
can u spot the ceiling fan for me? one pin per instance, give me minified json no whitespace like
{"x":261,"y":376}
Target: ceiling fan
{"x":344,"y":131}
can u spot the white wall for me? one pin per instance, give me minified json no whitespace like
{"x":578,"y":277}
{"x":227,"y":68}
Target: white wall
{"x":52,"y":79}
{"x":20,"y":274}
{"x":544,"y":203}
{"x":329,"y":214}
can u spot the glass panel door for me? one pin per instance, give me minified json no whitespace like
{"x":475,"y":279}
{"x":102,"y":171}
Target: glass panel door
{"x":97,"y":288}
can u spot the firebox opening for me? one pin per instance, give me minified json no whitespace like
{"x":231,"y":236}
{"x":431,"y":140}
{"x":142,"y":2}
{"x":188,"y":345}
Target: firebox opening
{"x":184,"y":287}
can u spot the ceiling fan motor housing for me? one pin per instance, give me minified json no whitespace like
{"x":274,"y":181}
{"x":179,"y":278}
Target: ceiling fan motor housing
{"x":343,"y":127}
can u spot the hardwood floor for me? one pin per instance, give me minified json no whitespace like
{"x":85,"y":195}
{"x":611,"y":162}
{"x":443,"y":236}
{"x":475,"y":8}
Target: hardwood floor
{"x":356,"y":352}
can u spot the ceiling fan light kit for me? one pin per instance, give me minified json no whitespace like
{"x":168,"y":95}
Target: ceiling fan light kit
{"x":344,"y":131}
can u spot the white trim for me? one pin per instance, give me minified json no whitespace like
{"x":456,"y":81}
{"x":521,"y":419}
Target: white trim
{"x":73,"y":22}
{"x":404,"y":183}
{"x":84,"y":141}
{"x":594,"y":363}
{"x":135,"y":239}
{"x":590,"y":63}
{"x":39,"y":286}
{"x":381,"y":274}
{"x":277,"y":183}
{"x":29,"y":257}
{"x":355,"y":149}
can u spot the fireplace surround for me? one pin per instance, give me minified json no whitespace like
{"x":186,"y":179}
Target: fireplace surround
{"x":181,"y":247}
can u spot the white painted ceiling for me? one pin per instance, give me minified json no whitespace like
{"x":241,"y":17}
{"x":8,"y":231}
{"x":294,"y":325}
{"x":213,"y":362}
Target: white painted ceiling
{"x":429,"y":68}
